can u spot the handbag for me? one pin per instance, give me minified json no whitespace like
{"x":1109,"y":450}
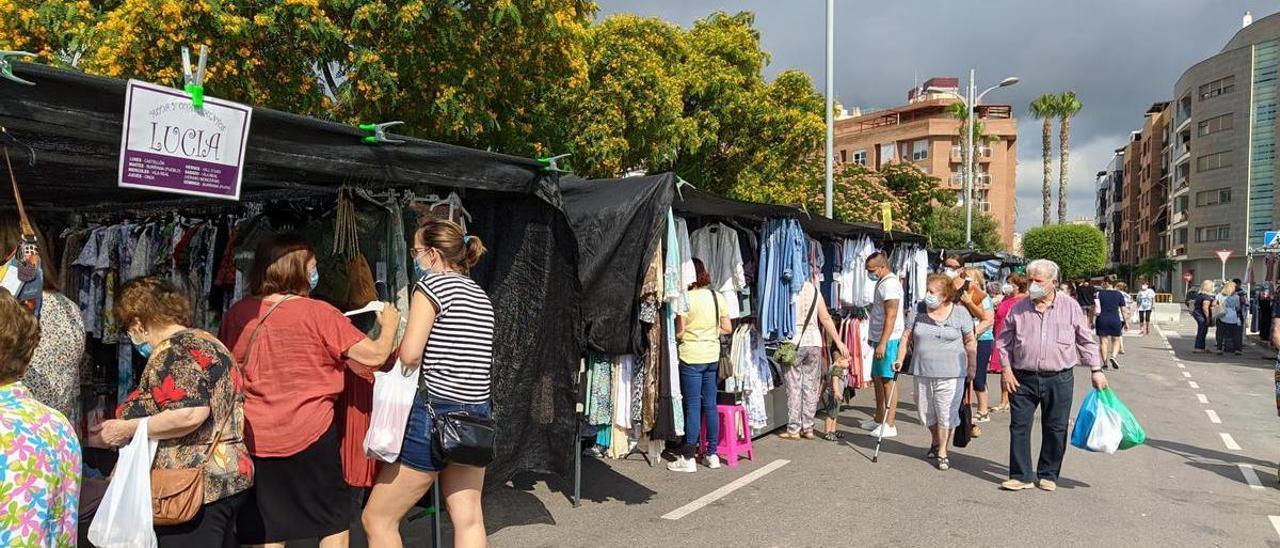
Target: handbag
{"x":964,"y":430}
{"x":725,"y":363}
{"x":178,"y":494}
{"x":788,"y":352}
{"x":461,"y":437}
{"x":20,"y":272}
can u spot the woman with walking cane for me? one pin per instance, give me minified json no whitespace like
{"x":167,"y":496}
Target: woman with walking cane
{"x":944,"y":354}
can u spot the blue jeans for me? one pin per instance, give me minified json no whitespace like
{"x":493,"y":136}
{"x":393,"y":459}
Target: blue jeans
{"x":698,"y":387}
{"x":1202,"y":330}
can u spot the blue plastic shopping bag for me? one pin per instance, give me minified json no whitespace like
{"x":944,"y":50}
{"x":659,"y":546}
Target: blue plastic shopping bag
{"x":1084,"y":421}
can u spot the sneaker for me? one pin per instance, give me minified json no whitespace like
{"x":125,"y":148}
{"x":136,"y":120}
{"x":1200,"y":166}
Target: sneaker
{"x":682,"y":464}
{"x":808,"y":435}
{"x":944,"y":464}
{"x":1048,"y":485}
{"x":982,"y":417}
{"x":1114,"y":364}
{"x":888,"y":431}
{"x":869,"y":424}
{"x":1016,"y":485}
{"x":712,"y":462}
{"x":975,"y":432}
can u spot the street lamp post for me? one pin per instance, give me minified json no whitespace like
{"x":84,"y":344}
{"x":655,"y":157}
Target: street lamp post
{"x":830,"y":160}
{"x":971,"y":103}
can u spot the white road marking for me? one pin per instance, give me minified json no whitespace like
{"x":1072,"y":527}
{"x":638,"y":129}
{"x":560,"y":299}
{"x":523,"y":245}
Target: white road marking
{"x":1186,"y":374}
{"x":1229,"y":441}
{"x":1275,"y":523}
{"x":1250,"y":476}
{"x":1180,"y":366}
{"x":1213,"y":416}
{"x":1173,"y":335}
{"x":1203,"y":399}
{"x":724,"y":491}
{"x":1193,"y":384}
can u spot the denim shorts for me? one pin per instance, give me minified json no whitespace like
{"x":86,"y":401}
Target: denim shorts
{"x":416,"y":452}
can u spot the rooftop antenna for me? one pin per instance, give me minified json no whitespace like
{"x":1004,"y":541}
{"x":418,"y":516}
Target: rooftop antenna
{"x":1248,"y":19}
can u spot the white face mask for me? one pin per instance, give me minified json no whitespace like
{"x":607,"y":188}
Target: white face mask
{"x":1037,"y":291}
{"x":1006,"y":289}
{"x":952,"y":273}
{"x":932,"y":301}
{"x":1145,"y":287}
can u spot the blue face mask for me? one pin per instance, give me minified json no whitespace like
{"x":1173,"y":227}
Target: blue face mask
{"x":873,"y":276}
{"x":932,"y":301}
{"x":144,"y":349}
{"x":315,"y":279}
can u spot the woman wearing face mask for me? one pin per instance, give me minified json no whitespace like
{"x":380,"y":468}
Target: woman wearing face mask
{"x":944,"y":354}
{"x":192,"y":395}
{"x":1202,"y":312}
{"x":450,"y":336}
{"x":293,"y":350}
{"x":1146,"y":303}
{"x":1016,"y":291}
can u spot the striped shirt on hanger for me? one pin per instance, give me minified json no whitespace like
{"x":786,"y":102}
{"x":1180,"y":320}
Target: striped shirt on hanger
{"x":459,"y":354}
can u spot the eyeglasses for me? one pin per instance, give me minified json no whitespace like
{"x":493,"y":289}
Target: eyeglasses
{"x":417,"y":251}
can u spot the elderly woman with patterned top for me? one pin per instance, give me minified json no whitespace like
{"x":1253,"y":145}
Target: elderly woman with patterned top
{"x":38,"y":449}
{"x":294,"y":351}
{"x":450,"y":338}
{"x":192,"y":395}
{"x":53,"y":377}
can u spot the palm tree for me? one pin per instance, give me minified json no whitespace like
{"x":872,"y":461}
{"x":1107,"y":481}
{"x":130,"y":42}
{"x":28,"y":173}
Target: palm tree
{"x":1068,"y":105}
{"x":1045,"y":107}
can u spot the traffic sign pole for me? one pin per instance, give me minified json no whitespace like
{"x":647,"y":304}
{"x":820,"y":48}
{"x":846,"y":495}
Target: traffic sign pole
{"x":1223,"y":255}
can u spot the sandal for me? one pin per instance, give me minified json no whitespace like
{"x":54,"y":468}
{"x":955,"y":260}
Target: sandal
{"x":791,"y":436}
{"x":832,"y":436}
{"x":933,"y":452}
{"x":944,"y":463}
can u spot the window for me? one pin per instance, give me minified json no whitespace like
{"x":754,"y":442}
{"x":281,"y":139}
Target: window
{"x":920,"y":150}
{"x":1180,"y":236}
{"x":1216,"y":196}
{"x":1215,"y":124}
{"x":1213,"y":161}
{"x":1215,"y":233}
{"x":860,"y":157}
{"x":1218,"y":87}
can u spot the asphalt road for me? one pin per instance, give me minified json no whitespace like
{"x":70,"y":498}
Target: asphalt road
{"x":1188,"y":486}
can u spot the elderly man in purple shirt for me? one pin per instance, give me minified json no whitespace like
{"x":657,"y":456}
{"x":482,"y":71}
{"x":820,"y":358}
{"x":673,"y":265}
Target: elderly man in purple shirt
{"x":1044,"y":338}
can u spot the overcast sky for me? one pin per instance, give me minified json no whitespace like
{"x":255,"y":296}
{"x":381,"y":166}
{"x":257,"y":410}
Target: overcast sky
{"x":1118,"y":55}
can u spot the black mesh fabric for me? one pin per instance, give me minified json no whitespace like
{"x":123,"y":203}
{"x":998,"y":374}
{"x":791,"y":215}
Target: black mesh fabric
{"x":531,"y":274}
{"x":616,"y":222}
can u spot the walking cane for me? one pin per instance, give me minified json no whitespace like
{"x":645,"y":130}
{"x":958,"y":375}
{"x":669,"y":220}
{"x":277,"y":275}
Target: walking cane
{"x":893,"y":391}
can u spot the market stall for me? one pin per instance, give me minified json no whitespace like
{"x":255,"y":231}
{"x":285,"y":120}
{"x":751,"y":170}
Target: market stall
{"x":355,"y":200}
{"x":638,"y":237}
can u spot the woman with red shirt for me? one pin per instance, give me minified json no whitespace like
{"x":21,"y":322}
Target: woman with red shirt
{"x":293,"y":350}
{"x":1019,"y":283}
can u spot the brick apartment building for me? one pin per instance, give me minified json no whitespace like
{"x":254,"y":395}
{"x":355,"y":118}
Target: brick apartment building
{"x":922,"y":132}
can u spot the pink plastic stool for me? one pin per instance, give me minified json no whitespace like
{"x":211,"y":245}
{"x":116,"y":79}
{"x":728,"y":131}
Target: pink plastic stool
{"x":731,"y":446}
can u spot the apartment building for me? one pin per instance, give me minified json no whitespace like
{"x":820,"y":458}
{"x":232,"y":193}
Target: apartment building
{"x":923,"y":133}
{"x":1145,"y":199}
{"x":1223,"y":165}
{"x":1110,"y":206}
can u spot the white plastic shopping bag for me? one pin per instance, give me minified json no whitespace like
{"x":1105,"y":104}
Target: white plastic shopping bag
{"x":1108,"y":430}
{"x":393,"y":393}
{"x":124,"y":517}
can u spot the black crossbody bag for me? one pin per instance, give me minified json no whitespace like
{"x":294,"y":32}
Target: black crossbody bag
{"x":461,"y":437}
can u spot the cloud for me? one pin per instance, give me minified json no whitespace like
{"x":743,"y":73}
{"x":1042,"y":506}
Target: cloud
{"x":1087,"y":159}
{"x":1118,"y":55}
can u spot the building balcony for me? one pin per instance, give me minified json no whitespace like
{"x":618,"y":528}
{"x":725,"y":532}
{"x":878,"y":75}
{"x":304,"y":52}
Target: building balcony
{"x":1178,"y":219}
{"x":1177,"y":252}
{"x":1185,"y":116}
{"x":1180,"y":188}
{"x":1183,"y":155}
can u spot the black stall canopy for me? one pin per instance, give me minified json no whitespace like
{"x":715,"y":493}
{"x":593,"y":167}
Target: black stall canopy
{"x":66,"y":158}
{"x":968,"y":256}
{"x":619,"y":224}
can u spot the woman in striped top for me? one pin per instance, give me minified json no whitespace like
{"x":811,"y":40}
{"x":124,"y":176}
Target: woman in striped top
{"x":450,"y":333}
